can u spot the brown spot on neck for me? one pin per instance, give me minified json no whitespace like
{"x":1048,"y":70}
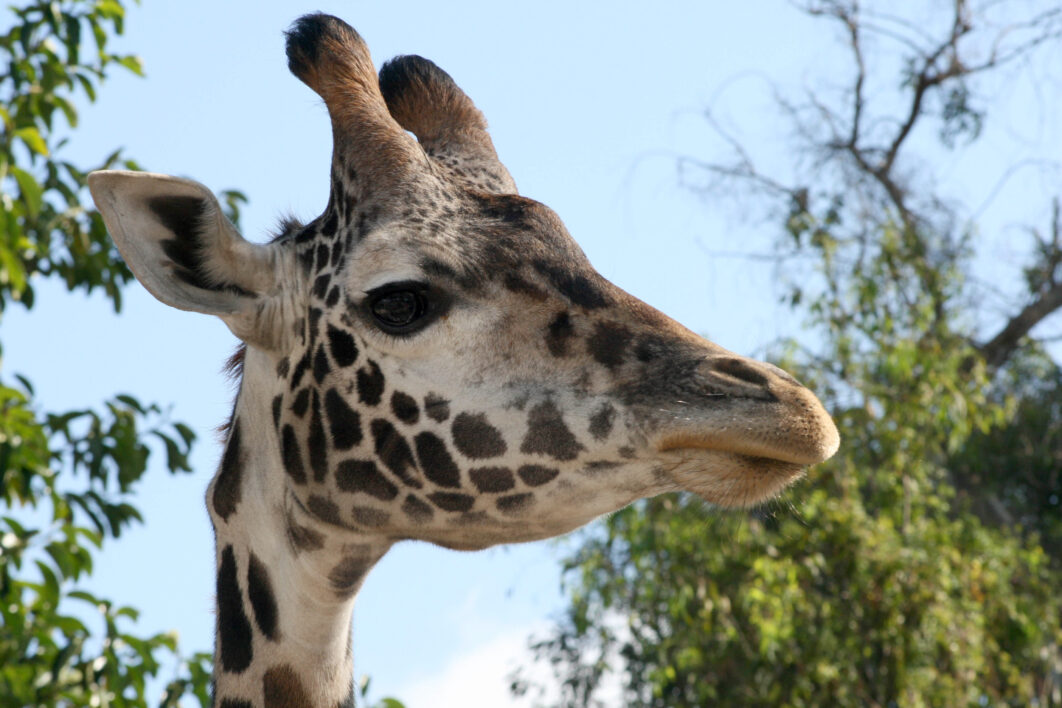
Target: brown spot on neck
{"x":284,"y":689}
{"x":227,"y":486}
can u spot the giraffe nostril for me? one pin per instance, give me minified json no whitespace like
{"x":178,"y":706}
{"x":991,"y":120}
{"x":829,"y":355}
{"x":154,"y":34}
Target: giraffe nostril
{"x":737,"y":377}
{"x":740,"y":369}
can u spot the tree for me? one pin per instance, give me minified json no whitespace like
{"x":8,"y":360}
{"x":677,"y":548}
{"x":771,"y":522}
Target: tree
{"x":918,"y":566}
{"x":69,"y":478}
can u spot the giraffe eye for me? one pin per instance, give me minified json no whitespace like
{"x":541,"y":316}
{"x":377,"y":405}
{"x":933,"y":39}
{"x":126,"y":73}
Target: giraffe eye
{"x":400,"y":308}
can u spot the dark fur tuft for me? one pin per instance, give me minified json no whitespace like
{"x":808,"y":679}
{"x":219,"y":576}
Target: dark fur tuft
{"x":234,"y":364}
{"x":287,"y":227}
{"x":306,"y":37}
{"x":302,"y":41}
{"x":410,"y":70}
{"x":233,"y":370}
{"x":425,"y":100}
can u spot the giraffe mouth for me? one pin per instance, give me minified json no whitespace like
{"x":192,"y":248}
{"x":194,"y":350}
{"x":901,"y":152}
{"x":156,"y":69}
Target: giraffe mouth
{"x":729,"y":479}
{"x":753,"y":449}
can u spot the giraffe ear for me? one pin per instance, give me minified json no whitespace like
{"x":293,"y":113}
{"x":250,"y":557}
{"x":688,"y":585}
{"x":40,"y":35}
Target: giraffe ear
{"x":174,"y":237}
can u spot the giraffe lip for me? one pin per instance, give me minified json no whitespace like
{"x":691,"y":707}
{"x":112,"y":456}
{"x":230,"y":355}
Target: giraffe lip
{"x":761,"y":463}
{"x":729,"y":479}
{"x":751,"y":450}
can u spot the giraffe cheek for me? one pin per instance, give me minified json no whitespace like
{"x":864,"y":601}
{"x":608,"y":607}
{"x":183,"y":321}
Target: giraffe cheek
{"x":476,"y":438}
{"x":548,"y":435}
{"x":438,"y":465}
{"x":344,"y":423}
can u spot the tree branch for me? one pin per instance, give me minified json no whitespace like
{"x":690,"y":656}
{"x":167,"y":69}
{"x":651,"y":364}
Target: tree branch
{"x":998,"y":349}
{"x":926,"y":79}
{"x":1048,"y":298}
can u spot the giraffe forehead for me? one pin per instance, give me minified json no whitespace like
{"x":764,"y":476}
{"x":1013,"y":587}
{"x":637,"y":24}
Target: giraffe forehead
{"x":474,"y":239}
{"x":511,"y":232}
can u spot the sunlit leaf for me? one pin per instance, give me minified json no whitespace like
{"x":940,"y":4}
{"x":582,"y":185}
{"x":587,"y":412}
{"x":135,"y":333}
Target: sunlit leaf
{"x":133,"y":63}
{"x":31,"y":191}
{"x":32,"y":139}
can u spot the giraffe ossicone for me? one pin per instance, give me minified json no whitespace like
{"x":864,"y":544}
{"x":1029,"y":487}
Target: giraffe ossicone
{"x":432,"y":358}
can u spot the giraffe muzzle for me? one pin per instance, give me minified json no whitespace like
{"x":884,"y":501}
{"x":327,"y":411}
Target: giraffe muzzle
{"x":753,"y":409}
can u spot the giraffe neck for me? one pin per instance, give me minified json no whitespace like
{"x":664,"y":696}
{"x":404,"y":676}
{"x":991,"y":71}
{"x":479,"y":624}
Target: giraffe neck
{"x":286,"y":581}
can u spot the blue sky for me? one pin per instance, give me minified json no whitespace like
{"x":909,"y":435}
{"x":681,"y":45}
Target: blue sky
{"x":589,"y":104}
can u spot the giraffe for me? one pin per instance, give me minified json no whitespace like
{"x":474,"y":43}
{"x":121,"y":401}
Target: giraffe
{"x":433,"y":358}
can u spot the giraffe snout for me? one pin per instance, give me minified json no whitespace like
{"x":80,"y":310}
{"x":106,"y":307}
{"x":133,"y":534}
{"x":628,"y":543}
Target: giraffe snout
{"x":738,"y":405}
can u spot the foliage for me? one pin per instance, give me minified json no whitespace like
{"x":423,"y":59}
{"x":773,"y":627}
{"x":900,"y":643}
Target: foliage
{"x":46,"y":230}
{"x":363,"y":694}
{"x":918,"y":566}
{"x":69,"y":478}
{"x":1013,"y":473}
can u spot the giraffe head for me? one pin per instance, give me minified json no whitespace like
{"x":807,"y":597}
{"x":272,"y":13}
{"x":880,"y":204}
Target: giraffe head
{"x":434,"y":357}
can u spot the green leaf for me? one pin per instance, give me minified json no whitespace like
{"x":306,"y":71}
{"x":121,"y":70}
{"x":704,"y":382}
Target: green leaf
{"x":87,"y":86}
{"x":32,"y":139}
{"x":12,"y":270}
{"x":68,"y":110}
{"x":110,"y":9}
{"x":31,"y":191}
{"x":49,"y":591}
{"x":175,"y":459}
{"x":133,"y":63}
{"x":73,"y":39}
{"x":187,"y":434}
{"x":130,"y":401}
{"x":84,"y":596}
{"x":26,"y":383}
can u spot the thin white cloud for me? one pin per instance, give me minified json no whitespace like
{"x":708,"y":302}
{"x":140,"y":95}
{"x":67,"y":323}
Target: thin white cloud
{"x":480,"y":677}
{"x":477,"y":678}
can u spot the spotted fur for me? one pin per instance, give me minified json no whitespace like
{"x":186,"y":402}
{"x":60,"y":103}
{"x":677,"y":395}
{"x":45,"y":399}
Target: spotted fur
{"x":226,"y":494}
{"x":282,"y":688}
{"x":234,"y":629}
{"x":433,"y":357}
{"x":263,"y":601}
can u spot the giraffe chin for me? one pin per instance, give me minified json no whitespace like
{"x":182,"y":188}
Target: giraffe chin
{"x":731,"y":480}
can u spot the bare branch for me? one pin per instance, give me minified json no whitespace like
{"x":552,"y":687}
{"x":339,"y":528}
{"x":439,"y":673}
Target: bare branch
{"x":997,"y":350}
{"x":861,"y":74}
{"x":926,"y":78}
{"x":1009,"y":173}
{"x":866,"y":148}
{"x":743,"y":168}
{"x":1049,"y":23}
{"x":1048,"y":298}
{"x":739,"y":171}
{"x":766,"y":256}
